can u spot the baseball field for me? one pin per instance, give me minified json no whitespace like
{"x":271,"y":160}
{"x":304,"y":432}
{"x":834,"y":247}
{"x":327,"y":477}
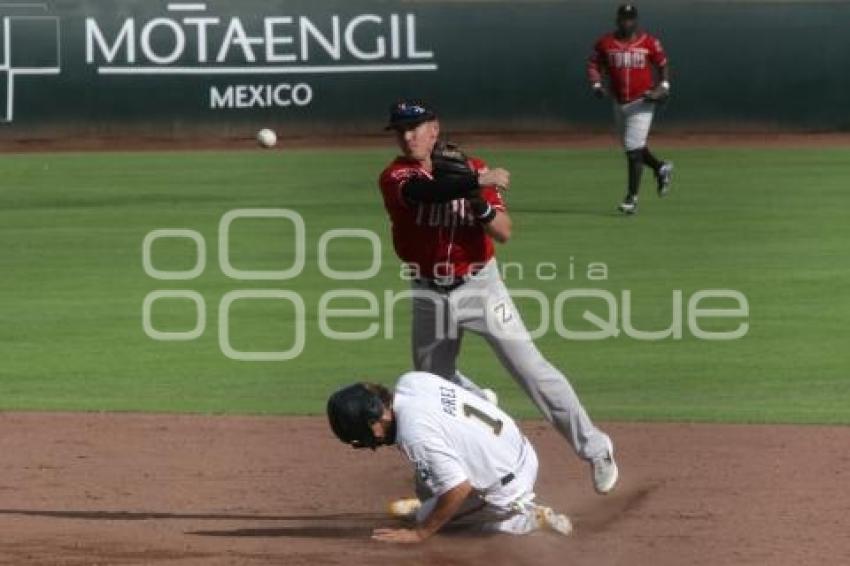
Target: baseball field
{"x":120,"y":447}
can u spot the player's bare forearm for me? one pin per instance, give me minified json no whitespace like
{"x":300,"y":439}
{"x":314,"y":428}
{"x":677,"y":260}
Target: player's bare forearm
{"x":447,"y":507}
{"x":665,"y":73}
{"x":500,"y":228}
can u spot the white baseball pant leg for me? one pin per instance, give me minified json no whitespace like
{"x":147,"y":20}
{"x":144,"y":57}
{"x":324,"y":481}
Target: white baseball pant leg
{"x":634,"y":121}
{"x":508,"y":509}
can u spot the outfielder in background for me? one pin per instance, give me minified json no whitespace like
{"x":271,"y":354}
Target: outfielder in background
{"x":629,"y":57}
{"x":474,"y":468}
{"x":445,"y":210}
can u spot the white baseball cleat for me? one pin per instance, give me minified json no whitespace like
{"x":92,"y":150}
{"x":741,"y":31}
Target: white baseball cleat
{"x":405,"y":508}
{"x":629,"y":205}
{"x":605,"y":471}
{"x":491,"y":396}
{"x":547,"y":519}
{"x":664,"y":178}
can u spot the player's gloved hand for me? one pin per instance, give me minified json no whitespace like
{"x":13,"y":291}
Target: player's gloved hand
{"x":598,"y":91}
{"x":448,"y":160}
{"x":658,"y":94}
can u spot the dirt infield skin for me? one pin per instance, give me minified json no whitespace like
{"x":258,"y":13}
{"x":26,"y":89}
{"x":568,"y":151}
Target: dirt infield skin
{"x":165,"y":489}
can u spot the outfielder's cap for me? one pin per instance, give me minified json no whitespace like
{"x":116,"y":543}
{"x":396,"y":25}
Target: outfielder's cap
{"x":406,"y":114}
{"x":627,"y":12}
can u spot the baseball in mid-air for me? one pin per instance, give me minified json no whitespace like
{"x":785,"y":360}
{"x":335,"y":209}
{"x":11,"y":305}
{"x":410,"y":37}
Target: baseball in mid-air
{"x":267,"y":138}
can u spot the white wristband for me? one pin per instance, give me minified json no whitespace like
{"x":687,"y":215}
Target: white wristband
{"x":596,"y":85}
{"x":665,"y":85}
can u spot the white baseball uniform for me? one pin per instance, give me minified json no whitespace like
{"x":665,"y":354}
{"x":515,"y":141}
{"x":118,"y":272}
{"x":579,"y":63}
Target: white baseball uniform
{"x":451,"y":435}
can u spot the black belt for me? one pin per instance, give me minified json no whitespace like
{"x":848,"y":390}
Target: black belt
{"x":447,"y":284}
{"x":511,"y":477}
{"x":448,"y":287}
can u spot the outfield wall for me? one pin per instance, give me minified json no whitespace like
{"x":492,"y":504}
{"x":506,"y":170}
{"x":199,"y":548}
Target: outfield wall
{"x":158,"y":68}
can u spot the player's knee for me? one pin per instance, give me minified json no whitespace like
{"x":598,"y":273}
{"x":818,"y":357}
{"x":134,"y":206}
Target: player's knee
{"x":634,"y":154}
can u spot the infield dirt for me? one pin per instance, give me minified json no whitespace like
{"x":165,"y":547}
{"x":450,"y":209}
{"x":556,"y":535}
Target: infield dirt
{"x":165,"y":489}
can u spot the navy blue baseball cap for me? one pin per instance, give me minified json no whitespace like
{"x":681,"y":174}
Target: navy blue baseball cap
{"x":627,"y":12}
{"x":406,"y":114}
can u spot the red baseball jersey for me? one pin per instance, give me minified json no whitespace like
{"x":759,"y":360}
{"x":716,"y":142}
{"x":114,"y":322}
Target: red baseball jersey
{"x":629,"y":64}
{"x":440,"y":239}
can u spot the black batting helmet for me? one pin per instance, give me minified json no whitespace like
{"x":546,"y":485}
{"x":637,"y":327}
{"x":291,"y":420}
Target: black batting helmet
{"x":351,"y":412}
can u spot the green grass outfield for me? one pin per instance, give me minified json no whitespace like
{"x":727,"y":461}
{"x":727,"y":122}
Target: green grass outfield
{"x":771,"y":224}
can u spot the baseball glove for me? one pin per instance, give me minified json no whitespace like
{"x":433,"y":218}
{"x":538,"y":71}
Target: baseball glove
{"x":448,"y":160}
{"x":658,"y":95}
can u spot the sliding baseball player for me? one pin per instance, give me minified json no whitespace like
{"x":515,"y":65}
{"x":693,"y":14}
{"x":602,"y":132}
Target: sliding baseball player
{"x":474,"y":468}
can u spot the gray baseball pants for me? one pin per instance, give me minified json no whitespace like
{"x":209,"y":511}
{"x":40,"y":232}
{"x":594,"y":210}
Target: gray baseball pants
{"x":483,"y":305}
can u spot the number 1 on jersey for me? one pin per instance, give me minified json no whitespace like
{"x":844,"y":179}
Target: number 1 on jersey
{"x":495,"y":424}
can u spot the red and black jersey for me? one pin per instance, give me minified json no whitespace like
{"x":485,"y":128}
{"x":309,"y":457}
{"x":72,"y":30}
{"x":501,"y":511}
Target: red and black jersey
{"x":439,"y":239}
{"x":628,"y":63}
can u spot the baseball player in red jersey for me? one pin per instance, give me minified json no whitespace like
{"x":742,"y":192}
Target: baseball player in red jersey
{"x":443,"y":227}
{"x":629,"y":56}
